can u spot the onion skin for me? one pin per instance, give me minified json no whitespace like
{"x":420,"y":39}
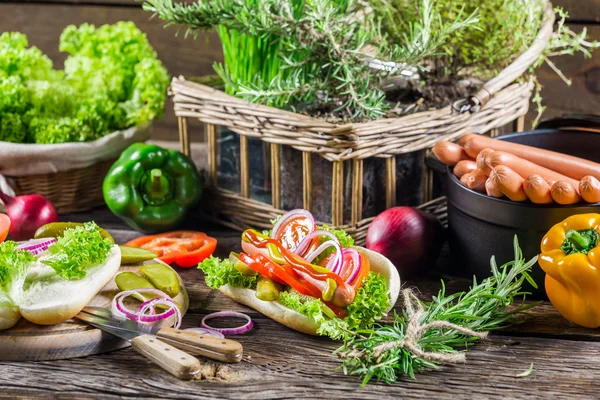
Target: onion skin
{"x":410,"y":238}
{"x":27,"y":213}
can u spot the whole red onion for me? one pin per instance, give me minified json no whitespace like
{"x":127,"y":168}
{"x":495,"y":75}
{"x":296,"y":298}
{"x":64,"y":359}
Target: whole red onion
{"x":410,"y":238}
{"x":27,"y":213}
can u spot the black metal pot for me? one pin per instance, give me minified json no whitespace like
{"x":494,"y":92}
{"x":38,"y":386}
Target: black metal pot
{"x":480,"y":226}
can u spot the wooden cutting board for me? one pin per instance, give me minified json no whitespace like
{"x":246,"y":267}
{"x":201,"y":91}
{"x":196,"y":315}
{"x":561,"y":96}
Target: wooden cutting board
{"x":30,"y":342}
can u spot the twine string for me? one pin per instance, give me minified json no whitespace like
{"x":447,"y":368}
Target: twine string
{"x":415,"y":329}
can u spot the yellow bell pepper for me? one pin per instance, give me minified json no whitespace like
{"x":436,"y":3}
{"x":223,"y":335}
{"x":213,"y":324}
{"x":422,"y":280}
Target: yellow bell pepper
{"x":571,"y":259}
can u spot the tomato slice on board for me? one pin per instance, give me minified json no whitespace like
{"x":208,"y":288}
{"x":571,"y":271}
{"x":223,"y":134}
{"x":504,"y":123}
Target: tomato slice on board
{"x":4,"y":226}
{"x":184,"y":248}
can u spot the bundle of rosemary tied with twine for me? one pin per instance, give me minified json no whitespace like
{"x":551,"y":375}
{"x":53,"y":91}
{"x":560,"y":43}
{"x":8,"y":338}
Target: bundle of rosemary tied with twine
{"x":428,"y":334}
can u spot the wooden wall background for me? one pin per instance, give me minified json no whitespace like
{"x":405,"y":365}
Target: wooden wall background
{"x":44,"y":20}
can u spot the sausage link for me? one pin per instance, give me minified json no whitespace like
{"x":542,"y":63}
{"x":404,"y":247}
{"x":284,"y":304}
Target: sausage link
{"x":509,"y":182}
{"x":537,"y":190}
{"x":589,"y":189}
{"x":564,"y":193}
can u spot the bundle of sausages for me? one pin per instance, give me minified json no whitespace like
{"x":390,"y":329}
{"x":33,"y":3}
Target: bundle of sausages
{"x":519,"y":172}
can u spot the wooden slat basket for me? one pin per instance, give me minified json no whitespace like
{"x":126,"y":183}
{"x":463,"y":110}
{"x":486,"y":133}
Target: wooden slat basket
{"x":344,"y":173}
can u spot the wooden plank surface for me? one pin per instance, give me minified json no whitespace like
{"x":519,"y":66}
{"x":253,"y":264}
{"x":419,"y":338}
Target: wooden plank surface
{"x":279,"y":362}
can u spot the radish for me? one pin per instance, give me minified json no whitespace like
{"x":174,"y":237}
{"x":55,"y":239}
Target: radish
{"x":410,"y":238}
{"x":27,"y":213}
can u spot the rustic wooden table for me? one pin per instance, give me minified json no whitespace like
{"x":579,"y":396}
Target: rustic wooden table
{"x":281,"y":363}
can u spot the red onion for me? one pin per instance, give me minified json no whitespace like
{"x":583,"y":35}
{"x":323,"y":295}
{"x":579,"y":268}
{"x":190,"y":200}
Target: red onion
{"x":36,"y":246}
{"x":335,"y":264}
{"x":204,"y":331}
{"x":27,"y":213}
{"x":410,"y":238}
{"x":305,"y":243}
{"x":229,"y":331}
{"x":356,"y":264}
{"x":150,"y":305}
{"x":119,"y":309}
{"x":307,"y":220}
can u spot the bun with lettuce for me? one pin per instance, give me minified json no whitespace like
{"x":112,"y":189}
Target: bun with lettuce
{"x":57,"y":282}
{"x":311,"y":279}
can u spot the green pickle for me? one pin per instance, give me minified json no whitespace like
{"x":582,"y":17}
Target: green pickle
{"x":56,"y":229}
{"x":135,"y":255}
{"x":130,"y":281}
{"x":330,"y":291}
{"x":267,"y":290}
{"x":162,"y":277}
{"x":240,"y":266}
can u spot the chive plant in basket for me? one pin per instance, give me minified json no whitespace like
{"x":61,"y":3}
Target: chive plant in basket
{"x":336,"y":55}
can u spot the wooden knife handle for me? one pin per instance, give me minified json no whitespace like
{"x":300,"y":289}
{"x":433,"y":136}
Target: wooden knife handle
{"x":172,"y":360}
{"x":201,"y":344}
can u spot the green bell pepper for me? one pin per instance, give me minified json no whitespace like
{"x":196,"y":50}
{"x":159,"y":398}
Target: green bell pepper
{"x":151,"y":188}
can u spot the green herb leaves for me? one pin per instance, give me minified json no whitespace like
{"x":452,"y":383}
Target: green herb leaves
{"x":222,"y":272}
{"x":482,"y":308}
{"x":112,"y":80}
{"x":77,"y":250}
{"x":13,"y":270}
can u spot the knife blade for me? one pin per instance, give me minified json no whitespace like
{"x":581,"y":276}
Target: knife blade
{"x":176,"y":362}
{"x":192,"y":342}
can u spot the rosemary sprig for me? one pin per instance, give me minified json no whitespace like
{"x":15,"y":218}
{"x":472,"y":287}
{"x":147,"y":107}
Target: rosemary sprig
{"x":441,"y":331}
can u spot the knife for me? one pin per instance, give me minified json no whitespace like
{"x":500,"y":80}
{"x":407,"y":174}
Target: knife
{"x":192,"y":342}
{"x":169,"y":358}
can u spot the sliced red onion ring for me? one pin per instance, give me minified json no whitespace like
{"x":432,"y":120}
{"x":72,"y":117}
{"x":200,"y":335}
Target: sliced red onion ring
{"x":357,"y":262}
{"x":150,"y":305}
{"x":291,"y":215}
{"x":228,"y":331}
{"x":305,"y":243}
{"x":204,"y":331}
{"x":119,"y":310}
{"x":335,"y":264}
{"x":36,"y":246}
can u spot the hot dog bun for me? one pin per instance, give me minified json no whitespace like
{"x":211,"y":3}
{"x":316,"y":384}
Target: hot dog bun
{"x":9,"y":315}
{"x":49,"y":299}
{"x":300,"y":322}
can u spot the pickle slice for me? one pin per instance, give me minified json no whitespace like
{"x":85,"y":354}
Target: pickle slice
{"x":135,"y":255}
{"x":240,"y":266}
{"x":162,"y":277}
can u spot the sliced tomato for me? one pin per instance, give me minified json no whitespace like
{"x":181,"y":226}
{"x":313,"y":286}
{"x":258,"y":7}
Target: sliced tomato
{"x":4,"y":226}
{"x":184,"y":248}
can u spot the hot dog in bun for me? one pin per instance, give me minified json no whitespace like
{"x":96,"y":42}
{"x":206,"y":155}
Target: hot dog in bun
{"x":311,"y":279}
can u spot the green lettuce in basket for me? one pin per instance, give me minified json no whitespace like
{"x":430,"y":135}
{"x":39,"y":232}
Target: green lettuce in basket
{"x":112,"y":80}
